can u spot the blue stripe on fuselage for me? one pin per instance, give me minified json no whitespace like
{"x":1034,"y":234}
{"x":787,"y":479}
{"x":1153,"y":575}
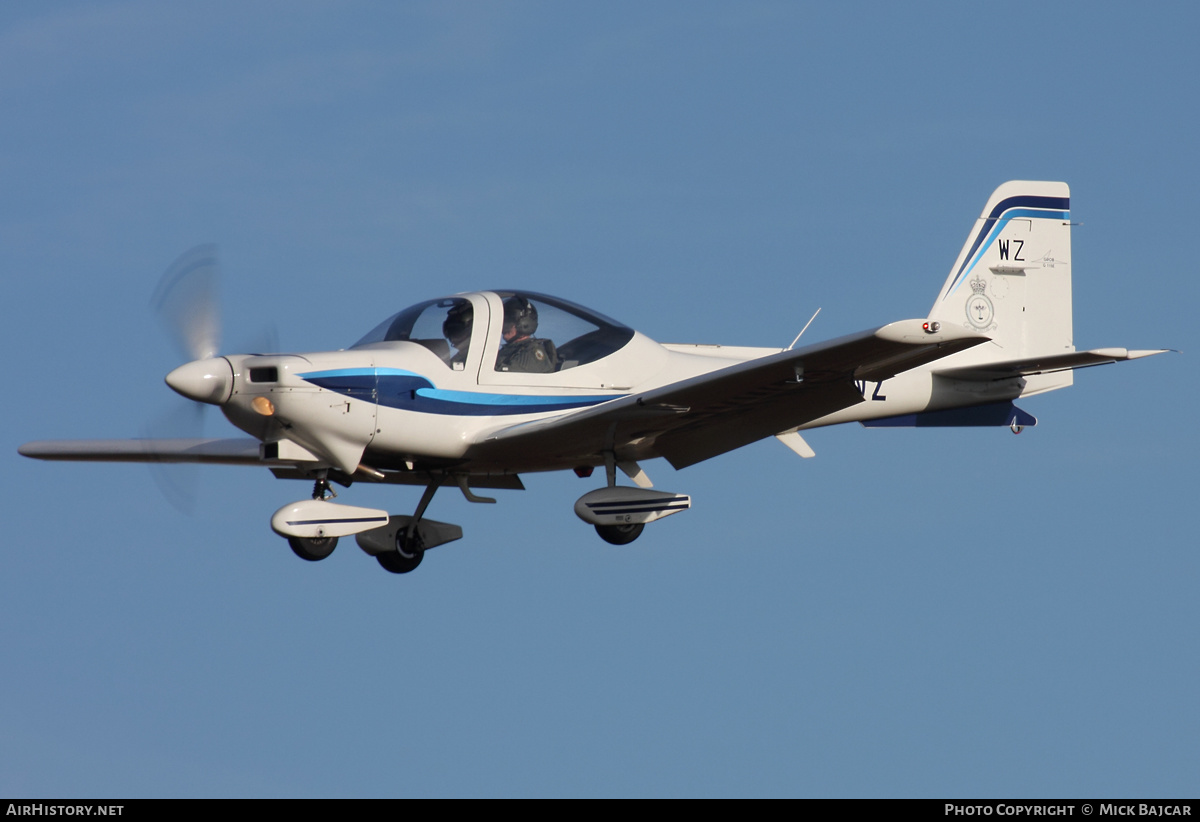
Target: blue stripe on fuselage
{"x":408,"y":391}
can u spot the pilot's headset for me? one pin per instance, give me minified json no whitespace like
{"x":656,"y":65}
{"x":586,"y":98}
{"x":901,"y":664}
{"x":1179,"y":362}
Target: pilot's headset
{"x":457,"y":327}
{"x":520,"y":313}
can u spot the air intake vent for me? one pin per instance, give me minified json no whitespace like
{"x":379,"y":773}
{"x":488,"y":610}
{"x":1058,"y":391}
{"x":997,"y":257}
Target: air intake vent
{"x":264,"y":374}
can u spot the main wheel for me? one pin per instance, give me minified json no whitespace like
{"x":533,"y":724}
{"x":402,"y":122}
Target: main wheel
{"x":313,"y":549}
{"x":620,"y":534}
{"x":406,"y":557}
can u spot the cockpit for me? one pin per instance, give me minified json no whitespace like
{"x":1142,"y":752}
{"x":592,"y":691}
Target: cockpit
{"x":505,"y":332}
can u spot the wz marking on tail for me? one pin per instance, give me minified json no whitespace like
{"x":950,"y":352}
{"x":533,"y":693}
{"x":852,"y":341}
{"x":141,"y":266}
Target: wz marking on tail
{"x":1003,"y":245}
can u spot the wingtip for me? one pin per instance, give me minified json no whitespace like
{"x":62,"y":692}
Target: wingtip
{"x":1119,"y":354}
{"x":33,"y":450}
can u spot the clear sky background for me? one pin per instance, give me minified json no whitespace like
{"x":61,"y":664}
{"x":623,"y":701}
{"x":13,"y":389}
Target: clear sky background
{"x":942,"y":613}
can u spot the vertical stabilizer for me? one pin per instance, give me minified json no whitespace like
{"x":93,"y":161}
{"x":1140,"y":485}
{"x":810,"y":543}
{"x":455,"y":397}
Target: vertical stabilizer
{"x":1012,"y":279}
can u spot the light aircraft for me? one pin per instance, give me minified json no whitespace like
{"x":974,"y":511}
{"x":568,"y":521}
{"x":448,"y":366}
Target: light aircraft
{"x":475,"y":389}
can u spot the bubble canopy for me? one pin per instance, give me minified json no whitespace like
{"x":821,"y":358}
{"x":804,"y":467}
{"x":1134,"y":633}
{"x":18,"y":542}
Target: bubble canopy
{"x":579,"y":334}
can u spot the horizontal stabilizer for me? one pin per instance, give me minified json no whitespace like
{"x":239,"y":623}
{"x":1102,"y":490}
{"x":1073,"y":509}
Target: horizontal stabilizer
{"x":996,"y":413}
{"x":1045,"y":365}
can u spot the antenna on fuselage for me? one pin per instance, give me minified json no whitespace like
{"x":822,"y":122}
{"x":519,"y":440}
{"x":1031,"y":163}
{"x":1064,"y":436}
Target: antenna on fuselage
{"x":802,"y":330}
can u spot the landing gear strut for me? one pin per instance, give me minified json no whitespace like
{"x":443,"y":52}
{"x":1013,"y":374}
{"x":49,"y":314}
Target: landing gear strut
{"x":315,"y":549}
{"x":625,"y":532}
{"x":322,"y":488}
{"x":410,"y":549}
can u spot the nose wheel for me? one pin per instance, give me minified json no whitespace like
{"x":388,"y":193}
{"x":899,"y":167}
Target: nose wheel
{"x":313,"y":549}
{"x":620,"y":534}
{"x":312,"y":528}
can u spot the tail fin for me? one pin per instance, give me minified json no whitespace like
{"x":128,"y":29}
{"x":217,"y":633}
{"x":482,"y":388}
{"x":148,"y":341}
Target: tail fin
{"x":1012,"y":279}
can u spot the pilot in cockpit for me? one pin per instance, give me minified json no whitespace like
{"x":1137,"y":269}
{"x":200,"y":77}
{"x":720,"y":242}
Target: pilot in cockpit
{"x":521,"y":350}
{"x":457,"y":329}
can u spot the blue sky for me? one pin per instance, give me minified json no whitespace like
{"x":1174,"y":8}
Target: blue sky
{"x":924,"y":613}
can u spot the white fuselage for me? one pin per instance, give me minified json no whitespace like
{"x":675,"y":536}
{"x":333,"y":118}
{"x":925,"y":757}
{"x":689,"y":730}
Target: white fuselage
{"x":401,"y":404}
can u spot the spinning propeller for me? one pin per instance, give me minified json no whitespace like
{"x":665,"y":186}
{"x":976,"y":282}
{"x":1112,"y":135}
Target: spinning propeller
{"x":187,"y":302}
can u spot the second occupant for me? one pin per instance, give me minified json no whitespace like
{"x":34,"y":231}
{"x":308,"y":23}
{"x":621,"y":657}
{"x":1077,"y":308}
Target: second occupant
{"x":521,"y":350}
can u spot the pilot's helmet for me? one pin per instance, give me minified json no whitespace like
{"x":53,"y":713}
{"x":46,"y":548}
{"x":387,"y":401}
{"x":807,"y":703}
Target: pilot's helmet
{"x":520,"y":313}
{"x":457,"y":327}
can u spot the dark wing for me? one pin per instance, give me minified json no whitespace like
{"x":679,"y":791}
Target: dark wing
{"x":698,"y":418}
{"x":242,"y":451}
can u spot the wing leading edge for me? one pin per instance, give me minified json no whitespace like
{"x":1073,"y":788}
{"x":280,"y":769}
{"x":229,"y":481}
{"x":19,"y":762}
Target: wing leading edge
{"x":237,"y":451}
{"x":699,"y":418}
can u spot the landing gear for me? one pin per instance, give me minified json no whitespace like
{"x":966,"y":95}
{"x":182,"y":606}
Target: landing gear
{"x":620,"y":534}
{"x":410,"y":548}
{"x":322,"y":489}
{"x":407,"y":556}
{"x":313,"y":549}
{"x":620,"y":514}
{"x":312,"y":527}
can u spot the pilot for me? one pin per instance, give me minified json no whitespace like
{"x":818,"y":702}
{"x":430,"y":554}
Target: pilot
{"x":457,"y":329}
{"x":521,"y":350}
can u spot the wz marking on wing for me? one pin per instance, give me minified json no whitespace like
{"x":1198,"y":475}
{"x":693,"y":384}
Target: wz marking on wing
{"x":863,"y":387}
